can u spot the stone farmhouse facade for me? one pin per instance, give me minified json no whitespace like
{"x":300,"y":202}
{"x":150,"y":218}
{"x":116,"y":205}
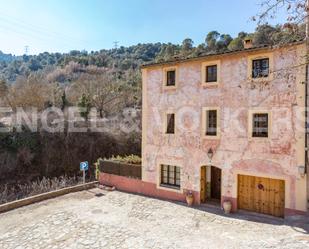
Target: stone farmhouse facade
{"x":229,"y":126}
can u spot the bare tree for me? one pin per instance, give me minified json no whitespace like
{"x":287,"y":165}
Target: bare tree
{"x":29,"y":92}
{"x":295,"y":9}
{"x":105,"y":94}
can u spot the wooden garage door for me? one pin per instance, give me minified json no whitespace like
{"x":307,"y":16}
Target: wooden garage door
{"x":262,"y":195}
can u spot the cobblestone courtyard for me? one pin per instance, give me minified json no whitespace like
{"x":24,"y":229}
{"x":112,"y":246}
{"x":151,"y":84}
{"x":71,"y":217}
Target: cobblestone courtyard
{"x":121,"y":220}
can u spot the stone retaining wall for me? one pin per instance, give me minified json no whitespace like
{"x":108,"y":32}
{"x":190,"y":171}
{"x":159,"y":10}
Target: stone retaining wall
{"x":41,"y":197}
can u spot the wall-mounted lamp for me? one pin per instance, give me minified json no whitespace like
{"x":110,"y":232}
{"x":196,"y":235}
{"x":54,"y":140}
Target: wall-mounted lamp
{"x":301,"y":170}
{"x":210,"y":153}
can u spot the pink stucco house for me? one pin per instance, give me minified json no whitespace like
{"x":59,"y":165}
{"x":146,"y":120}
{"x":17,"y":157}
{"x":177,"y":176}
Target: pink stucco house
{"x":229,"y":126}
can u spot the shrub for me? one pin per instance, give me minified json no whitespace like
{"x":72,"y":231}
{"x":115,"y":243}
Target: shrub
{"x":97,"y":168}
{"x":132,"y":159}
{"x":19,"y":191}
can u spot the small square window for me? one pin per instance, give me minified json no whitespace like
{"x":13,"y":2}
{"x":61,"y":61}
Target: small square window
{"x":171,"y":78}
{"x":260,"y":68}
{"x":260,"y":125}
{"x":211,"y":73}
{"x":211,"y":123}
{"x":170,"y":123}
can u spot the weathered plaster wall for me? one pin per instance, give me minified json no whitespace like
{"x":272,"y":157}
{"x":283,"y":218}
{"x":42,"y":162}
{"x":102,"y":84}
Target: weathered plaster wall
{"x":235,"y":152}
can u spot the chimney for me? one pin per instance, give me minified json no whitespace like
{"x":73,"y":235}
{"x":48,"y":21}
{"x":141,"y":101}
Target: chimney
{"x":248,"y":43}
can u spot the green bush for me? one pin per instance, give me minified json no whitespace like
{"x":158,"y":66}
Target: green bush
{"x":97,"y":168}
{"x":132,"y":159}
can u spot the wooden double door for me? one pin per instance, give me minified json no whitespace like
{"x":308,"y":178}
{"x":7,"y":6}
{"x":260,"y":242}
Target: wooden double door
{"x":262,"y":195}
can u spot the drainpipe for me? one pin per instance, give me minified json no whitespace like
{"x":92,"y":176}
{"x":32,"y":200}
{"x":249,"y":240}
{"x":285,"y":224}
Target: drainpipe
{"x":306,"y":115}
{"x":306,"y":85}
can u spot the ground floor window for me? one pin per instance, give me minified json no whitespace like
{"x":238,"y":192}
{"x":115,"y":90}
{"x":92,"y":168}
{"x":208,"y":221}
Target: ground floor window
{"x":170,"y":176}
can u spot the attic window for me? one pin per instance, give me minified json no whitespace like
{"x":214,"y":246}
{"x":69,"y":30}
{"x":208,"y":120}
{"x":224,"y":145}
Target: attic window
{"x":260,"y":68}
{"x":211,"y":73}
{"x":171,"y":78}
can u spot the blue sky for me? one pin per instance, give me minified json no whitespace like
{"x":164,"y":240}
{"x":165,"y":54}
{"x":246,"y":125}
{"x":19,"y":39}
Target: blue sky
{"x":61,"y":26}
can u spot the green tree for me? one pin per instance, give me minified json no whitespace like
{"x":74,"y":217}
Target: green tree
{"x":211,"y":40}
{"x":169,"y":52}
{"x":3,"y":88}
{"x":34,"y":64}
{"x":237,"y":43}
{"x":64,"y":100}
{"x":199,"y":50}
{"x":223,"y":42}
{"x":187,"y":45}
{"x":264,"y":34}
{"x":84,"y":104}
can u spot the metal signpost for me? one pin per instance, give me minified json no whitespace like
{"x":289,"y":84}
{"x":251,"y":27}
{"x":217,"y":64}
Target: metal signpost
{"x":83,"y":166}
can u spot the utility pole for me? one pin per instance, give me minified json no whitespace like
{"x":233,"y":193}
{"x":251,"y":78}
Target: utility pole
{"x":26,"y":50}
{"x":116,"y":73}
{"x":116,"y":44}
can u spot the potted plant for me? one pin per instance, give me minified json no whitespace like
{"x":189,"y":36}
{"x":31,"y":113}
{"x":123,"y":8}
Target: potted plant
{"x":189,"y":198}
{"x":227,"y":206}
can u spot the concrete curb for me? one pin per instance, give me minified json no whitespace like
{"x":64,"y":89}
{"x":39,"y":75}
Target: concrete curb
{"x":45,"y":196}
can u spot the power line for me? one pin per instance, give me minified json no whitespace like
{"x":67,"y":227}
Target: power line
{"x":18,"y":26}
{"x":35,"y":28}
{"x":30,"y":32}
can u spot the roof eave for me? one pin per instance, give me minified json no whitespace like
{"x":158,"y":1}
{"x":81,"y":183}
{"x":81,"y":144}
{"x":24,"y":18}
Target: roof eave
{"x":228,"y":53}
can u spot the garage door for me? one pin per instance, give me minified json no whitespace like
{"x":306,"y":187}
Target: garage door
{"x":262,"y":195}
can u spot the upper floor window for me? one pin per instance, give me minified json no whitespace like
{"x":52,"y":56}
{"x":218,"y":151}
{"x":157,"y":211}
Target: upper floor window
{"x":170,"y":176}
{"x":211,"y":73}
{"x":260,"y":68}
{"x":170,"y":123}
{"x":211,"y":123}
{"x":260,"y":125}
{"x":171,"y":78}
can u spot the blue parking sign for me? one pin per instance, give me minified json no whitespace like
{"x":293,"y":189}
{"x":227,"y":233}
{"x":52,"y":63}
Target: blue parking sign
{"x":83,"y":166}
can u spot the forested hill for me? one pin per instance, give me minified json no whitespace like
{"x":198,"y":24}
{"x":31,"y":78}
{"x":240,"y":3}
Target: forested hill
{"x":108,"y":81}
{"x":130,"y":58}
{"x":122,"y":58}
{"x":7,"y":57}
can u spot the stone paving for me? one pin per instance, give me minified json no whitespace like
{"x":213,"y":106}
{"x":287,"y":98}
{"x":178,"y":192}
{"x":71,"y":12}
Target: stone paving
{"x":121,"y":220}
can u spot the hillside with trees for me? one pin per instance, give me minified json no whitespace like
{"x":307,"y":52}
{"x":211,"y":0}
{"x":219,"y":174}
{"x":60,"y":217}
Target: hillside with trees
{"x":110,"y":81}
